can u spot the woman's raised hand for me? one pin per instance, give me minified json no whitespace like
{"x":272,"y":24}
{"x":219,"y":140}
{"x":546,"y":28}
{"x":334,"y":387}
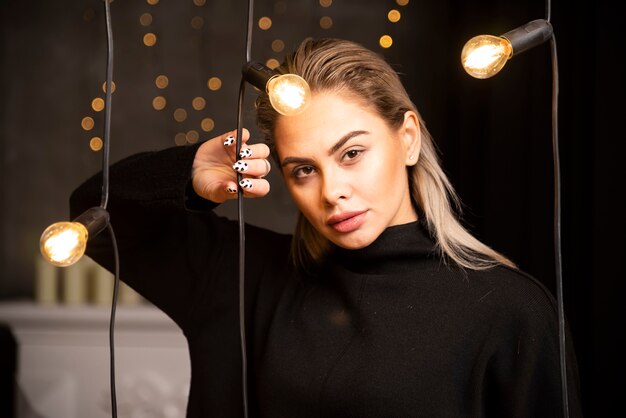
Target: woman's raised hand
{"x":215,"y":167}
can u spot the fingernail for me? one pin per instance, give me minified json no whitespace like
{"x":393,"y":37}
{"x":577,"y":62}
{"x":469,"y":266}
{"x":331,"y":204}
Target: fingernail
{"x":245,"y":153}
{"x":240,"y":166}
{"x":246,"y":183}
{"x":229,"y":140}
{"x":231,"y":190}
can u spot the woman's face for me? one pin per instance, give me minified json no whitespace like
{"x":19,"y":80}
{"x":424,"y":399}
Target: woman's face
{"x":346,"y":169}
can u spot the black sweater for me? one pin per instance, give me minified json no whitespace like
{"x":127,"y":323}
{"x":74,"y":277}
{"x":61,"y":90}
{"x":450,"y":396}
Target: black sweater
{"x":390,"y":330}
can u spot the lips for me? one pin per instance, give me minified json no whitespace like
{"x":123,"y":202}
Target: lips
{"x":347,"y":221}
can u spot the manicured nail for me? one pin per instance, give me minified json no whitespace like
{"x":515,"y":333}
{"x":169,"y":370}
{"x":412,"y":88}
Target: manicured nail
{"x":245,"y":153}
{"x":240,"y":166}
{"x":229,"y":140}
{"x":231,"y":190}
{"x":246,"y":183}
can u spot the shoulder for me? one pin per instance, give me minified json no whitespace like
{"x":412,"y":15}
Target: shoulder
{"x":513,"y":295}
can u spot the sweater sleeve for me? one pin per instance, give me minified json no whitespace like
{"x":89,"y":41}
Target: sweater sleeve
{"x":523,"y":376}
{"x":164,"y":247}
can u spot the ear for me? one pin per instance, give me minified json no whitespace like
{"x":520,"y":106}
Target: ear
{"x":412,"y":137}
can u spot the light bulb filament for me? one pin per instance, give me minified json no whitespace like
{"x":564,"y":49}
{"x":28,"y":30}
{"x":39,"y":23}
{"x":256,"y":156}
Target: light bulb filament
{"x":484,"y":56}
{"x":287,"y":95}
{"x":63,"y":243}
{"x":60,"y":247}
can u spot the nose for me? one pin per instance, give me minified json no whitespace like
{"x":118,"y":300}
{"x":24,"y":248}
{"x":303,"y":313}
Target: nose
{"x":335,"y":187}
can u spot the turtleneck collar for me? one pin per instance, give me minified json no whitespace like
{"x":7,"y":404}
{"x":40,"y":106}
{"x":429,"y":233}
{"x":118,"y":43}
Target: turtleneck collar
{"x":397,"y":250}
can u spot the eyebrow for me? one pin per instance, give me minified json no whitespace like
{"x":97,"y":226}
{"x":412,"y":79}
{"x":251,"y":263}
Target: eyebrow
{"x":331,"y":151}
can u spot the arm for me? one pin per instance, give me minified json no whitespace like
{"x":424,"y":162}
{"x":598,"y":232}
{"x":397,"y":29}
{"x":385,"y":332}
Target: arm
{"x":171,"y":244}
{"x":523,"y":376}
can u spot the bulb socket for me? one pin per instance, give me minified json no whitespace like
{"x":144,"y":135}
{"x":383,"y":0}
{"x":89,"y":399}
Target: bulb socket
{"x":529,"y":35}
{"x":94,"y":219}
{"x":258,"y":74}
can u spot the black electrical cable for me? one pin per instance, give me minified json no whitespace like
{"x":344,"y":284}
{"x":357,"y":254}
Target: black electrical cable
{"x":241,"y":222}
{"x":557,"y":226}
{"x":107,"y":106}
{"x":242,"y":256}
{"x":116,"y":286}
{"x":105,"y":197}
{"x":249,"y":31}
{"x":558,"y":259}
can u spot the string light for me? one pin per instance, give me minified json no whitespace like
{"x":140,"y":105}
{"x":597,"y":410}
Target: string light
{"x":289,"y":94}
{"x":484,"y":56}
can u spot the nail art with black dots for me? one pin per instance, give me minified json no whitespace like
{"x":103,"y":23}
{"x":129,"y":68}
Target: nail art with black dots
{"x":229,"y":140}
{"x":231,"y":190}
{"x":240,"y":166}
{"x":245,"y":153}
{"x":246,"y":183}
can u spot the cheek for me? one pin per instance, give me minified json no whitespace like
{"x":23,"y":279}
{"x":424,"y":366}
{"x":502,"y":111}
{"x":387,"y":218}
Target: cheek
{"x":383,"y":172}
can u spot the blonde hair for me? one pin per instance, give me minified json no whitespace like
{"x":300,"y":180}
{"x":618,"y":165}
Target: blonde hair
{"x":334,"y":65}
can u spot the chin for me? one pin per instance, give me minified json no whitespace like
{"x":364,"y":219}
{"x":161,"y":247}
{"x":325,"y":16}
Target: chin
{"x":353,"y":240}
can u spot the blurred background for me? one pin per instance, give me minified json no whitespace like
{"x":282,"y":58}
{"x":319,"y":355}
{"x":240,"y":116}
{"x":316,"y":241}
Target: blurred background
{"x":176,"y":79}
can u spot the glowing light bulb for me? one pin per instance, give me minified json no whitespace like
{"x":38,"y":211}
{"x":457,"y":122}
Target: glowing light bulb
{"x":484,"y":56}
{"x":289,"y":94}
{"x":64,"y":243}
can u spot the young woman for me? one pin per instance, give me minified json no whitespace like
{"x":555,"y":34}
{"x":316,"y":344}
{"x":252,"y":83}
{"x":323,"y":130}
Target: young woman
{"x":380,"y":305}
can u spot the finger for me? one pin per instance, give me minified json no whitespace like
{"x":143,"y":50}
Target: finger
{"x":258,"y":167}
{"x":254,"y":187}
{"x":255,"y":151}
{"x":230,"y":189}
{"x":229,"y":138}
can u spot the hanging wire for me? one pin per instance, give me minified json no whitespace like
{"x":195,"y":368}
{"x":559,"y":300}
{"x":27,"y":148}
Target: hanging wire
{"x":107,"y":106}
{"x":116,"y":286}
{"x":249,"y":31}
{"x":240,"y":214}
{"x":242,"y":255}
{"x":105,"y":198}
{"x":558,"y":258}
{"x":557,"y":226}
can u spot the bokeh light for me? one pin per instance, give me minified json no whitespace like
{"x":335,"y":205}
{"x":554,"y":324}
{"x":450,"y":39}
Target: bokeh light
{"x":272,"y":63}
{"x":278,"y":45}
{"x":159,"y":103}
{"x":326,"y":22}
{"x":385,"y":41}
{"x":265,"y":23}
{"x":198,"y":103}
{"x":104,"y":87}
{"x":197,"y":22}
{"x":97,"y":104}
{"x":180,"y":115}
{"x":207,"y":124}
{"x":145,"y":19}
{"x":149,"y":39}
{"x":214,"y":83}
{"x":95,"y":143}
{"x":393,"y":16}
{"x":87,"y":123}
{"x":162,"y":81}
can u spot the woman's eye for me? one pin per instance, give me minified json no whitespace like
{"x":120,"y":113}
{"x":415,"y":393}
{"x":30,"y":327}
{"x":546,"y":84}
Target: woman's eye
{"x":352,"y":154}
{"x":301,"y":172}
